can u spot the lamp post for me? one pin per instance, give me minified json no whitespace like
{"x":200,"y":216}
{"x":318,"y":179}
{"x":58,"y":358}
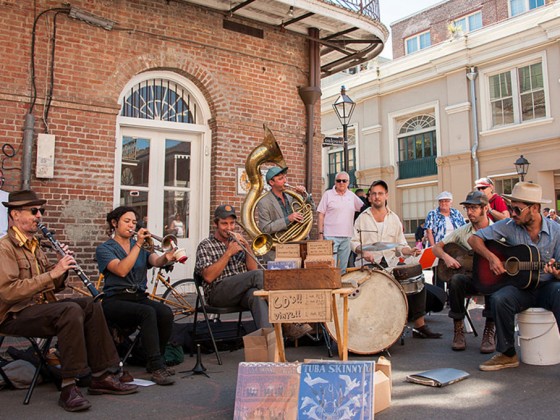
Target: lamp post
{"x":522,"y":167}
{"x":344,"y":107}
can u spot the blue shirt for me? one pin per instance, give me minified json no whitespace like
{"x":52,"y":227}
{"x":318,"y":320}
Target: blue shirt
{"x":548,"y":243}
{"x":436,"y":222}
{"x":136,"y":279}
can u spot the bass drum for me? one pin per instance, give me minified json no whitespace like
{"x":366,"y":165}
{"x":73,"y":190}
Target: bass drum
{"x":377,"y":311}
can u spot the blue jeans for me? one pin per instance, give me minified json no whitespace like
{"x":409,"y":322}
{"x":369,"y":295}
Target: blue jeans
{"x":341,"y":247}
{"x":510,"y":300}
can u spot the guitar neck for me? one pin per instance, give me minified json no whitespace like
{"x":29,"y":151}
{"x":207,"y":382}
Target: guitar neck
{"x":535,"y":265}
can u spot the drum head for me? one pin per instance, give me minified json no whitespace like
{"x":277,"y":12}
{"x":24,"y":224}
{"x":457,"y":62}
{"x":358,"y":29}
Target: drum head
{"x":377,"y":312}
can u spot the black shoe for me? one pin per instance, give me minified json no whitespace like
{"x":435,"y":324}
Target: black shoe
{"x":424,"y":332}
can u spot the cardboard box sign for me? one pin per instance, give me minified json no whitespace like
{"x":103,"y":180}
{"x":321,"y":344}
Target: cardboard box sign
{"x":289,"y":306}
{"x":286,"y":251}
{"x":319,"y":248}
{"x":260,"y":346}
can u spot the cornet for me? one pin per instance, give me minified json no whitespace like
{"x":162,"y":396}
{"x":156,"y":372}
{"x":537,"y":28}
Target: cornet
{"x":167,"y":243}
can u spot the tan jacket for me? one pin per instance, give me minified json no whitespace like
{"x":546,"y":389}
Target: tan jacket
{"x":23,"y":276}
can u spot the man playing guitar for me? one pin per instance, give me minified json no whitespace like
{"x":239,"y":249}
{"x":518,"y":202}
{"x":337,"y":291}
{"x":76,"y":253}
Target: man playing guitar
{"x":527,"y":226}
{"x":461,"y":282}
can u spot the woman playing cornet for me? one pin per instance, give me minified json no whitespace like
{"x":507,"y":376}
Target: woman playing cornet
{"x":124,"y":262}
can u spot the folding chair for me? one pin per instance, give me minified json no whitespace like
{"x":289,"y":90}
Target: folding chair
{"x":205,"y":308}
{"x":41,"y":352}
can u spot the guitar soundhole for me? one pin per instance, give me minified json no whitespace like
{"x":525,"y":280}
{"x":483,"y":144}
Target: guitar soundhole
{"x":512,"y":266}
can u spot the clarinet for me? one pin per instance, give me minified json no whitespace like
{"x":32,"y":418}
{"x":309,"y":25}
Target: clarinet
{"x":83,"y":277}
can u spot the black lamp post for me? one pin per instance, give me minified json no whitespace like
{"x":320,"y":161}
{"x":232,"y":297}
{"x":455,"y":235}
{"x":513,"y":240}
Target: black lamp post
{"x":344,"y":107}
{"x":522,"y":167}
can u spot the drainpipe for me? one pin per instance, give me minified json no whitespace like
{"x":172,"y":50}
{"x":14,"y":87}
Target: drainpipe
{"x":472,"y":74}
{"x":309,"y":95}
{"x":27,"y":150}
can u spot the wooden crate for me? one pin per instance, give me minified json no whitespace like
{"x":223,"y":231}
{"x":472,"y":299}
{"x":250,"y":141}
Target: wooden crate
{"x":302,"y":279}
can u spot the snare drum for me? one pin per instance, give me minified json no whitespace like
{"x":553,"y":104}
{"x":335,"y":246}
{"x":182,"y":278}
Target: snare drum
{"x":377,"y":311}
{"x":410,"y":277}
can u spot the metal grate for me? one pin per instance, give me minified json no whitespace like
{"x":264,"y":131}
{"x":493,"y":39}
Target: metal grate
{"x":160,"y":99}
{"x":367,"y":8}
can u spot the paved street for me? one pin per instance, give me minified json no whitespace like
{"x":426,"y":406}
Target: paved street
{"x":527,"y":391}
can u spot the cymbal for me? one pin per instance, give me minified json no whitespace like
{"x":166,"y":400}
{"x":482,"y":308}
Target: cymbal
{"x":379,"y":246}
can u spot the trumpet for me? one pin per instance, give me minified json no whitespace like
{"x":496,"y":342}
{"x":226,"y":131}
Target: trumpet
{"x":305,"y":194}
{"x":167,"y":243}
{"x":233,"y":237}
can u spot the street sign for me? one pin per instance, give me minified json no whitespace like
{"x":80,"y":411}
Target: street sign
{"x":333,"y":141}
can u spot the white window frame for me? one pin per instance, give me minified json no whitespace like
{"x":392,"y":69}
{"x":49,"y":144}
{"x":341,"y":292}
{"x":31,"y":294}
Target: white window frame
{"x":198,"y":133}
{"x":465,"y":18}
{"x":512,"y":66}
{"x":526,"y":7}
{"x":417,"y":40}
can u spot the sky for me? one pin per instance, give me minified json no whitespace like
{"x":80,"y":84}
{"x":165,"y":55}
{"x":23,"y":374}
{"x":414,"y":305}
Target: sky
{"x":393,"y":10}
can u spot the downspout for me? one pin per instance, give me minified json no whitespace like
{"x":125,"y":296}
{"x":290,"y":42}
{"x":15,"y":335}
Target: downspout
{"x":309,"y":95}
{"x":27,"y":148}
{"x":472,"y":74}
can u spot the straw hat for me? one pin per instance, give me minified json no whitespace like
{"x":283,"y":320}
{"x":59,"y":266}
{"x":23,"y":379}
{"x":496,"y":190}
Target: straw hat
{"x":526,"y":192}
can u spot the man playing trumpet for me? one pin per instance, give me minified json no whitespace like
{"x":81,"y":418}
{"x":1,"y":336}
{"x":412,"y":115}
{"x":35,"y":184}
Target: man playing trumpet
{"x":28,"y":281}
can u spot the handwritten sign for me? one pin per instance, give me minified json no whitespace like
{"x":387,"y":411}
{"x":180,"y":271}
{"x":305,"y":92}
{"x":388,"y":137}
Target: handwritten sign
{"x":299,"y":306}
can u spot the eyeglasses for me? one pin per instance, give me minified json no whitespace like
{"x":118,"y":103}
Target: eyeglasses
{"x":35,"y":210}
{"x":518,"y":210}
{"x":342,"y":180}
{"x":481,"y":188}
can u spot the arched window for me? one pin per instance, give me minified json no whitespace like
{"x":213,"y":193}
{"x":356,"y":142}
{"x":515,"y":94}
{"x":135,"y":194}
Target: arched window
{"x":417,"y":147}
{"x":159,"y":99}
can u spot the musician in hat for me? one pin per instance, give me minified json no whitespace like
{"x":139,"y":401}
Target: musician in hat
{"x":526,"y":227}
{"x":461,"y":283}
{"x":28,"y":282}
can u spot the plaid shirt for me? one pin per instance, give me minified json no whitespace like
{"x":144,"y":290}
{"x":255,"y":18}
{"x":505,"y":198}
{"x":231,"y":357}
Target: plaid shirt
{"x":211,"y":250}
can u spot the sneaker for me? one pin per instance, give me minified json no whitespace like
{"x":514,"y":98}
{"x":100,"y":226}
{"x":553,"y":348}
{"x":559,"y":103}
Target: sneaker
{"x":161,"y":377}
{"x":500,"y":361}
{"x":488,"y":344}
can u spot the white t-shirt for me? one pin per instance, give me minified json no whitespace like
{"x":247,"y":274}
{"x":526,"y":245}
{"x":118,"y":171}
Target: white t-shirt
{"x":3,"y":213}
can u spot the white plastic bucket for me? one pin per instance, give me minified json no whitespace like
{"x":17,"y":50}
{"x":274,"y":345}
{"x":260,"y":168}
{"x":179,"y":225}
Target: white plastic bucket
{"x":539,"y":339}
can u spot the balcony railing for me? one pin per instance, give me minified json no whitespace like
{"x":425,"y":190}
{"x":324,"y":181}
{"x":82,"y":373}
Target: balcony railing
{"x":417,"y":167}
{"x":369,"y":8}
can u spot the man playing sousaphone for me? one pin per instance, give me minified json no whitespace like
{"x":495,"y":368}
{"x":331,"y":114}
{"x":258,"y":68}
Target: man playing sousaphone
{"x":461,"y":284}
{"x":527,"y":226}
{"x":379,"y":224}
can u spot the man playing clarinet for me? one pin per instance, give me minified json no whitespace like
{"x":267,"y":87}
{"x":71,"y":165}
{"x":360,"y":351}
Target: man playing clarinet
{"x":28,"y":307}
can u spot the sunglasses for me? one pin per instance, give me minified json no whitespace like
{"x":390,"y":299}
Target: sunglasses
{"x":481,"y":188}
{"x":35,"y":210}
{"x":518,"y":210}
{"x":342,"y":180}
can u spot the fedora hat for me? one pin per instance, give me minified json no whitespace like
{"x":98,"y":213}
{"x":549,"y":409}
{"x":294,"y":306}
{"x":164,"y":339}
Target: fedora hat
{"x":526,"y":192}
{"x":23,"y":198}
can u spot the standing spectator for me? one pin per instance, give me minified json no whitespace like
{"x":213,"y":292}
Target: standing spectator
{"x":545,"y":212}
{"x":335,"y":218}
{"x":441,"y":221}
{"x":553,"y":216}
{"x":498,"y":209}
{"x":419,"y":235}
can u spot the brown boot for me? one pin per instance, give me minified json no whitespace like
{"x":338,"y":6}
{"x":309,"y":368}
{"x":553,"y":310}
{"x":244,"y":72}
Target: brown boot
{"x":459,"y":342}
{"x":488,"y":344}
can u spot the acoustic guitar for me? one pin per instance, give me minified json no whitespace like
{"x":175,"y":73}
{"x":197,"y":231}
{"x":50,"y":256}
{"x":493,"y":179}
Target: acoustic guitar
{"x":463,"y":256}
{"x":522,"y":264}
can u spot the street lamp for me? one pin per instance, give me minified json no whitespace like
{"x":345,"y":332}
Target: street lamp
{"x":344,"y":107}
{"x":522,"y":167}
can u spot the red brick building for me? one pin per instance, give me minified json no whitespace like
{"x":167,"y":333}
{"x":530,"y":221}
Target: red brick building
{"x":150,"y":103}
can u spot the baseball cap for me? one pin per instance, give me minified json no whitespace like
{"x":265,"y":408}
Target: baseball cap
{"x":275,"y":170}
{"x":483,"y":182}
{"x":445,"y":195}
{"x":476,"y":197}
{"x":224,"y":211}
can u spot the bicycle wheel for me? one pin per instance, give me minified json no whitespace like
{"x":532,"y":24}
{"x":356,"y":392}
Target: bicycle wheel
{"x":181,"y":298}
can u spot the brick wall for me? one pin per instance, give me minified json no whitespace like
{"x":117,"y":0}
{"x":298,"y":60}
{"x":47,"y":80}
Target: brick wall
{"x":247,"y":81}
{"x":437,"y":18}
